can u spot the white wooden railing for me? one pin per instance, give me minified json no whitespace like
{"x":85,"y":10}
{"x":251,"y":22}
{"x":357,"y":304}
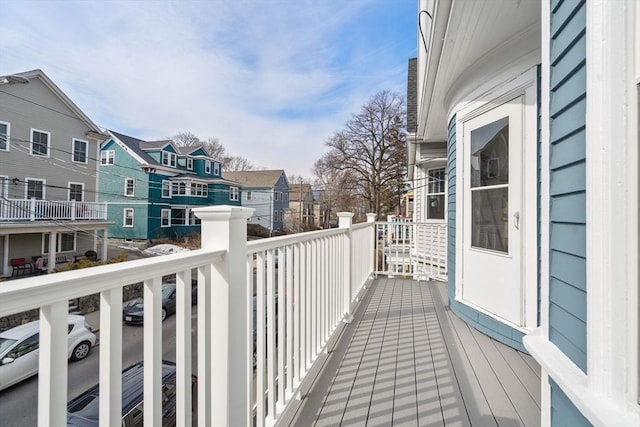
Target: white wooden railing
{"x":32,"y":210}
{"x":407,"y":248}
{"x":305,"y":286}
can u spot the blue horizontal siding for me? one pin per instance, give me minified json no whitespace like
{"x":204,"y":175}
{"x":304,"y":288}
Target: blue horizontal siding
{"x":451,"y":210}
{"x":563,"y":411}
{"x":567,"y":188}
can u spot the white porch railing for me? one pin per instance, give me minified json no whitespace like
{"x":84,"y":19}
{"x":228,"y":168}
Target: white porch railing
{"x":32,"y":210}
{"x":412,"y":249}
{"x":304,"y":286}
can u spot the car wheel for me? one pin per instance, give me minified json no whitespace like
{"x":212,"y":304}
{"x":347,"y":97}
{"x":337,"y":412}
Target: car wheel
{"x":81,"y":350}
{"x":164,"y":313}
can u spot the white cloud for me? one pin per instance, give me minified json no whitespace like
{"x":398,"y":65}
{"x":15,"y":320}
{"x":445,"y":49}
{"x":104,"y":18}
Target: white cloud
{"x":272,"y":79}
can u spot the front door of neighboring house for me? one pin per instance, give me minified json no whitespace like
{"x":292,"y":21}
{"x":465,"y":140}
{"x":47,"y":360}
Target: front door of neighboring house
{"x":492,"y":212}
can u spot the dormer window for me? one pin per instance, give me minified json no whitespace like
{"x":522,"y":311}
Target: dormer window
{"x":207,"y":166}
{"x":216,"y":168}
{"x":169,"y":159}
{"x":189,"y":163}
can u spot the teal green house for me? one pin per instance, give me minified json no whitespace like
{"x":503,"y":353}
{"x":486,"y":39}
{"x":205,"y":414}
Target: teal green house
{"x":151,"y":187}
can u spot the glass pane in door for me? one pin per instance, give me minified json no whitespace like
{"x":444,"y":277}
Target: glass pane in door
{"x":490,"y":154}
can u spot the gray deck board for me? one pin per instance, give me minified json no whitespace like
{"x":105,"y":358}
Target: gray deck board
{"x":408,"y":361}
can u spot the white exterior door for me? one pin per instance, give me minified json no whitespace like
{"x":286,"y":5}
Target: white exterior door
{"x":492,"y":212}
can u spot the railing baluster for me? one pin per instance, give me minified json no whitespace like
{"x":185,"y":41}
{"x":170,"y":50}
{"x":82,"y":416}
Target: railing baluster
{"x":183,"y":347}
{"x":152,"y":352}
{"x":111,"y":356}
{"x":52,"y":369}
{"x":290,"y":341}
{"x":260,"y":339}
{"x":205,"y":343}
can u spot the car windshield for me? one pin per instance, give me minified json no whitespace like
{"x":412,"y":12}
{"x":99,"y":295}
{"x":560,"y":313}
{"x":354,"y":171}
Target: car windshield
{"x":5,"y":343}
{"x":87,"y":407}
{"x":167,"y":289}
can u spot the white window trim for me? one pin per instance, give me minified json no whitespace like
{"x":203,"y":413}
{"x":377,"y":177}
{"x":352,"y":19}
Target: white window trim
{"x":189,"y":163}
{"x":608,"y":394}
{"x":4,"y":186}
{"x":426,"y":194}
{"x":124,"y":218}
{"x":249,"y":195}
{"x":166,"y":182}
{"x":216,"y":168}
{"x":234,"y":193}
{"x":81,"y":184}
{"x":168,"y":213}
{"x":106,"y":155}
{"x":73,"y":151}
{"x":26,"y":187}
{"x":126,"y":187}
{"x":171,"y":159}
{"x":48,"y":142}
{"x":45,"y":247}
{"x":207,"y":167}
{"x":8,"y":135}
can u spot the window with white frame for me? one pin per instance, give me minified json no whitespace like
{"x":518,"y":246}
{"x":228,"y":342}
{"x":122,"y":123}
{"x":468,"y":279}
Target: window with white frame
{"x":80,"y":151}
{"x":107,"y":157}
{"x":436,"y":193}
{"x":65,"y":242}
{"x":207,"y":166}
{"x":233,"y":193}
{"x":179,"y":188}
{"x":166,"y":189}
{"x":129,"y":187}
{"x":40,"y":141}
{"x":127,"y":220}
{"x":200,"y":190}
{"x":179,"y":216}
{"x":216,"y":168}
{"x":189,"y":163}
{"x":169,"y":159}
{"x":165,"y":218}
{"x":35,"y":189}
{"x":76,"y":191}
{"x":5,"y":129}
{"x":249,"y":195}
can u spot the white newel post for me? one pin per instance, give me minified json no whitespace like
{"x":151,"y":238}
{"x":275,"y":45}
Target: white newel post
{"x":225,"y":227}
{"x":371,"y":219}
{"x":344,"y":221}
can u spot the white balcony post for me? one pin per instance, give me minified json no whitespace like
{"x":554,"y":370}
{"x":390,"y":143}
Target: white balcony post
{"x":73,"y":210}
{"x":371,"y":219}
{"x":344,"y":221}
{"x":32,"y":209}
{"x":225,"y":227}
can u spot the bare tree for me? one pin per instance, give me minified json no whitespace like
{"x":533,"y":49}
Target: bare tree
{"x":215,"y":149}
{"x":238,"y":163}
{"x":369,"y":154}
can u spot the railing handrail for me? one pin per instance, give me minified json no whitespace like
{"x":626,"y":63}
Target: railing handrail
{"x":33,"y":292}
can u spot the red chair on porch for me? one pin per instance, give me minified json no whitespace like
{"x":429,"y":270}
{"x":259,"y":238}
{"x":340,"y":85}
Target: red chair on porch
{"x":20,"y":266}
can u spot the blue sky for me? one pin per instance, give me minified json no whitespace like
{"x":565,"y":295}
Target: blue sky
{"x":272,"y":80}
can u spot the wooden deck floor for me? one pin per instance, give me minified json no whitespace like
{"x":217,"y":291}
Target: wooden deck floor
{"x":406,"y":360}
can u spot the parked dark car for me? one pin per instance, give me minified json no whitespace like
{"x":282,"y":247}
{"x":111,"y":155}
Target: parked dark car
{"x":133,"y":311}
{"x":83,"y":411}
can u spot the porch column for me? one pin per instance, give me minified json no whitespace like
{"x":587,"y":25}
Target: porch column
{"x":51,"y":263}
{"x":5,"y":255}
{"x":105,"y":245}
{"x":225,"y":228}
{"x":344,"y":221}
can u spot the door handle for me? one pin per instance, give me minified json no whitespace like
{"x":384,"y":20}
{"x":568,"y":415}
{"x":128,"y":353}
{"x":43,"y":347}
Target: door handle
{"x":516,"y":220}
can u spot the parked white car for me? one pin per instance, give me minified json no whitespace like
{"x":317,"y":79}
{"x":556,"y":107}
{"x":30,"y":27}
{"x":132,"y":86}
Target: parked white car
{"x":19,"y":348}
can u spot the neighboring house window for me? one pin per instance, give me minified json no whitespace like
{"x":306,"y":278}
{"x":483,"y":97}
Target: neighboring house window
{"x":179,"y":188}
{"x":169,"y":159}
{"x":80,"y":151}
{"x":35,"y":189}
{"x":286,"y":196}
{"x":216,"y":168}
{"x":166,"y":189}
{"x":233,"y":193}
{"x":178,"y":216}
{"x":129,"y":187}
{"x":128,"y":217}
{"x":249,"y":195}
{"x":107,"y":157}
{"x":207,"y":166}
{"x":435,"y":193}
{"x":40,"y":142}
{"x":189,"y":163}
{"x":4,"y":136}
{"x":65,"y":242}
{"x":200,"y":190}
{"x":76,"y":191}
{"x":165,"y":218}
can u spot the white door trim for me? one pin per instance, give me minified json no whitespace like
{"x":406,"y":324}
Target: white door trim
{"x":523,"y":85}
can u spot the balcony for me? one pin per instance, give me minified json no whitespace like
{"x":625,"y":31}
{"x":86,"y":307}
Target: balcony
{"x":50,"y":210}
{"x":290,"y":330}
